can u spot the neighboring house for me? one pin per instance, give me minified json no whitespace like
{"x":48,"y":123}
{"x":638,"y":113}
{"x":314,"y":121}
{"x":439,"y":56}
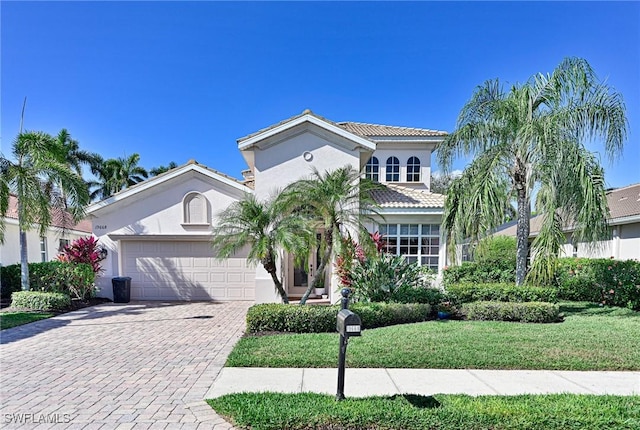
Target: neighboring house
{"x":157,"y":232}
{"x":624,"y":222}
{"x":40,"y":248}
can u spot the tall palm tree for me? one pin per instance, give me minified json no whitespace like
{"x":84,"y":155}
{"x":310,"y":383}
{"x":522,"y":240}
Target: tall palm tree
{"x":161,"y":169}
{"x":42,"y":182}
{"x":337,"y":201}
{"x":116,"y":174}
{"x":265,"y":229}
{"x":533,"y":136}
{"x":73,"y":155}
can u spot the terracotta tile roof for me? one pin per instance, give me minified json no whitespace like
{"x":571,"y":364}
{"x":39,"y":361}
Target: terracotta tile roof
{"x":59,"y":218}
{"x":623,"y":202}
{"x":360,"y":128}
{"x":377,"y":130}
{"x":398,"y":196}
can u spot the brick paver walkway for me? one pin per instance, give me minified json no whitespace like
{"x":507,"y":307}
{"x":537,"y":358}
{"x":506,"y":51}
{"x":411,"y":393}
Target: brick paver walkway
{"x":142,"y":365}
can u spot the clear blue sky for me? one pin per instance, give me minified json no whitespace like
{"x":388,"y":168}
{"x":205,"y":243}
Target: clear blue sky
{"x":175,"y":81}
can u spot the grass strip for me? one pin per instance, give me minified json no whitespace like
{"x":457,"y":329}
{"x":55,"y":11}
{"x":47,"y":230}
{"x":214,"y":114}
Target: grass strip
{"x":590,"y":338}
{"x":14,"y":319}
{"x":267,"y":411}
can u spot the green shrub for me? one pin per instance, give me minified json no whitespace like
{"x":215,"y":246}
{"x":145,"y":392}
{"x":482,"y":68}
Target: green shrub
{"x":9,"y":280}
{"x":428,"y":295}
{"x":497,"y":251}
{"x":533,"y":312}
{"x":74,"y":279}
{"x":599,"y":280}
{"x":471,"y":272}
{"x":465,"y":293}
{"x":322,"y":319}
{"x":382,"y":277}
{"x":41,"y":301}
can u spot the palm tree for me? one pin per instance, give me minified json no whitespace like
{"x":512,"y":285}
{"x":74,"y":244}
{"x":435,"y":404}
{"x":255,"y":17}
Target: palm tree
{"x":265,"y":229}
{"x":533,"y":137}
{"x":42,"y":182}
{"x":73,"y":155}
{"x":161,"y":169}
{"x":337,"y":201}
{"x":116,"y":174}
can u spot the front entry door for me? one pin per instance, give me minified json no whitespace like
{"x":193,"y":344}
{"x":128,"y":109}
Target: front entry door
{"x":301,"y":275}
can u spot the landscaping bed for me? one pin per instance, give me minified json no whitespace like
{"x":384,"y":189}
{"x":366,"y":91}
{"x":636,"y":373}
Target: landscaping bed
{"x":270,"y":411}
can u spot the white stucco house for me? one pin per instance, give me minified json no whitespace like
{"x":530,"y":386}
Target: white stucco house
{"x":157,"y":232}
{"x":624,"y":224}
{"x":39,"y":248}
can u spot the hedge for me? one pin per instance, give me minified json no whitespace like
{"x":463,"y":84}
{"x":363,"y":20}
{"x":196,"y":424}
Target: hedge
{"x":599,"y":280}
{"x":532,"y":312}
{"x":74,"y":279}
{"x":466,"y":293}
{"x":478,"y":273}
{"x":37,"y":300}
{"x":322,"y":319}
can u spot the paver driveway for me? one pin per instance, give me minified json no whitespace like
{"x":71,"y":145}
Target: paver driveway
{"x":140,"y":365}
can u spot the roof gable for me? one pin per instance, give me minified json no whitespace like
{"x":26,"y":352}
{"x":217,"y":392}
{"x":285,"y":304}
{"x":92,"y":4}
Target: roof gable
{"x":191,"y":166}
{"x":305,"y":117}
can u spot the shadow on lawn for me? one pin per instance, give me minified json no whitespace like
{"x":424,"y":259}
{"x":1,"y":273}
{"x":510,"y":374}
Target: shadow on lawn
{"x":418,"y":401}
{"x":586,"y":309}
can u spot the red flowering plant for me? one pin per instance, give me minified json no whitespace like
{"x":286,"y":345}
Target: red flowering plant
{"x":350,"y":252}
{"x":84,"y":250}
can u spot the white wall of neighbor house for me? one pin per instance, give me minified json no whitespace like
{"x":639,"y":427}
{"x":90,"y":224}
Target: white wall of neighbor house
{"x":157,"y":213}
{"x":623,"y":245}
{"x":38,"y":248}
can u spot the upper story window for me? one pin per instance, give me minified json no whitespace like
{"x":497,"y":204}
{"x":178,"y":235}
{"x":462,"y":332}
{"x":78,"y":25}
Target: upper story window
{"x":413,"y":170}
{"x":372,"y":169}
{"x":393,"y":169}
{"x":196,"y":210}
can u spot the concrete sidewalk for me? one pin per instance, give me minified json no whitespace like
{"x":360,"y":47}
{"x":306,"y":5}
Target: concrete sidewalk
{"x":370,"y":382}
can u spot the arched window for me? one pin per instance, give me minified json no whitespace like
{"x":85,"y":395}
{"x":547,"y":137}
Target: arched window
{"x":195,"y":209}
{"x":393,"y":169}
{"x":372,"y":169}
{"x":413,"y":170}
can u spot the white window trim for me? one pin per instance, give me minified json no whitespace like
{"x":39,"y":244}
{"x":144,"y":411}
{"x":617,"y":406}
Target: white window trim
{"x":419,"y":255}
{"x":44,"y":254}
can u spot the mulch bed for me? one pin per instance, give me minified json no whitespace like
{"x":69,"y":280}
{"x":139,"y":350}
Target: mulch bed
{"x":75,"y":305}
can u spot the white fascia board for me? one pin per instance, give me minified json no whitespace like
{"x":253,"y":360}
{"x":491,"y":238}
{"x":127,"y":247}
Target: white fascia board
{"x":149,"y":183}
{"x":408,"y":139}
{"x":313,"y":120}
{"x":181,"y":237}
{"x":409,"y":211}
{"x":625,"y":220}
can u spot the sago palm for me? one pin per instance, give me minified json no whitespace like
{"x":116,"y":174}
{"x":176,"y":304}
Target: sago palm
{"x":265,"y":230}
{"x":533,"y":137}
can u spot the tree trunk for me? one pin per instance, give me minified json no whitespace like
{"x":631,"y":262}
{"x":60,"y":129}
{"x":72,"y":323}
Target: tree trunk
{"x":270,"y":266}
{"x":24,"y":261}
{"x":328,"y":237}
{"x":522,"y":234}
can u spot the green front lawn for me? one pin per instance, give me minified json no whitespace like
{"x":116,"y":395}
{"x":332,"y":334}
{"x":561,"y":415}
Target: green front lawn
{"x":270,"y":411}
{"x":590,"y":338}
{"x":13,"y":319}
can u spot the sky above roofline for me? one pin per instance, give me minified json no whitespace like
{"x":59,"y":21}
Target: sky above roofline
{"x":178,"y":81}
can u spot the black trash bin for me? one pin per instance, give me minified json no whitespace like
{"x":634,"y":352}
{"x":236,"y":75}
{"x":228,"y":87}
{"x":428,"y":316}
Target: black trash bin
{"x":121,"y":289}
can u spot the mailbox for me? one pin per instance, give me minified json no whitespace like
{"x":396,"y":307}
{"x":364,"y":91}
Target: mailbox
{"x":348,"y":323}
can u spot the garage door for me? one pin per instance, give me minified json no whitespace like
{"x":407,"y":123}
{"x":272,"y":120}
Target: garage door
{"x":177,"y":270}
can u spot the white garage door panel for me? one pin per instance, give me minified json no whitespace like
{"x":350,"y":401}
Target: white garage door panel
{"x":165,"y":270}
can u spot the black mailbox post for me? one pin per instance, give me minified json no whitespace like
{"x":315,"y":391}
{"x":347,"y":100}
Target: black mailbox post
{"x":348,"y":324}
